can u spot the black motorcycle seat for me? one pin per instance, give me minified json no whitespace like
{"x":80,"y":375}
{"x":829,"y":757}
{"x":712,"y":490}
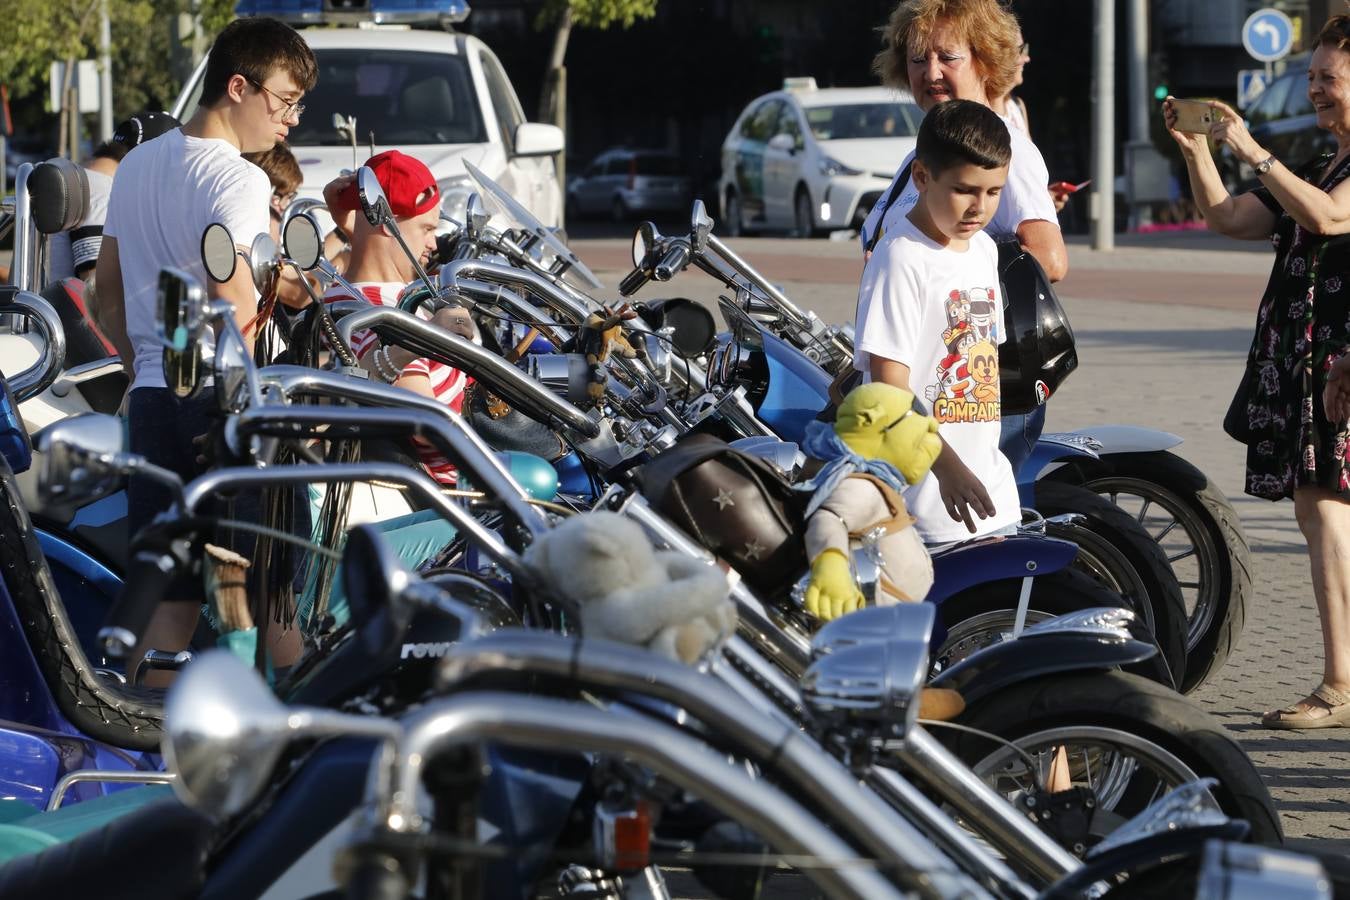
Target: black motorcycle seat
{"x":102,"y":709}
{"x":158,"y":849}
{"x":59,"y":191}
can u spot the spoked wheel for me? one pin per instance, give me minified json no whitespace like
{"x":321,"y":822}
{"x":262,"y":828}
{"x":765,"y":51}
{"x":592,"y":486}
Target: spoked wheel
{"x":1119,"y":554}
{"x":1199,"y":532}
{"x":734,"y":226}
{"x":986,"y":614}
{"x":1126,"y":741}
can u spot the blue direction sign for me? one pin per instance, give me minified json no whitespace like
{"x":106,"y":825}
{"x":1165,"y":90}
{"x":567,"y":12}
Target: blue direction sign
{"x":1268,"y":35}
{"x":1250,"y":84}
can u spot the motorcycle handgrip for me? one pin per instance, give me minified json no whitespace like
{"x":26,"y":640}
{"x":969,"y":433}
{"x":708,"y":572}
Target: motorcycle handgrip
{"x":149,"y":575}
{"x":676,"y":258}
{"x":632,"y":282}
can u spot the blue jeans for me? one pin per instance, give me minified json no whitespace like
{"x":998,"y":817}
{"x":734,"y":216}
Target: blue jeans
{"x":1019,"y":436}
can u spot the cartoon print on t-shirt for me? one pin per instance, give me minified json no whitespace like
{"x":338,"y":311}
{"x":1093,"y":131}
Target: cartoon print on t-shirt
{"x":953,"y":375}
{"x":980,"y":309}
{"x":967,"y":388}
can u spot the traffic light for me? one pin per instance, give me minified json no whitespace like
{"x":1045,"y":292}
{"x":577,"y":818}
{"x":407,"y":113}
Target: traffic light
{"x":1160,"y":92}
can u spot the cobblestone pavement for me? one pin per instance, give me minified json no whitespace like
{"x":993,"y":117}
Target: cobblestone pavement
{"x":1162,"y":326}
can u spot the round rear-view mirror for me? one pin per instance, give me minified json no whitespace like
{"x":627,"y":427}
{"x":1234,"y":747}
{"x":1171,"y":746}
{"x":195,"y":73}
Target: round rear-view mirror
{"x":374,"y":204}
{"x":643,"y":239}
{"x":700,"y":226}
{"x":219,"y":256}
{"x":182,"y":318}
{"x":264,"y":259}
{"x":475,"y":215}
{"x":302,"y":242}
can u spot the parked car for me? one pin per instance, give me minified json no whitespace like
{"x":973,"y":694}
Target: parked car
{"x":624,"y":183}
{"x":807,"y":159}
{"x":438,"y":95}
{"x":1282,"y":120}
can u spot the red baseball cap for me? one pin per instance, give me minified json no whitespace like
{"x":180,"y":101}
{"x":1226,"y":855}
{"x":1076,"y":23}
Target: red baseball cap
{"x":404,"y":180}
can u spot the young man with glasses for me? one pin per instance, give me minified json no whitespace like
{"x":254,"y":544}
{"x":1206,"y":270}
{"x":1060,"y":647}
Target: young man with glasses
{"x":165,"y":194}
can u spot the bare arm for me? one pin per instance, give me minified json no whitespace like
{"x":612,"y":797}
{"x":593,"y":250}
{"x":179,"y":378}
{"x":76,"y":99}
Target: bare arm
{"x":112,"y":303}
{"x":1243,"y":217}
{"x":1045,"y":242}
{"x":1319,"y":211}
{"x":238,"y":291}
{"x":962,"y":493}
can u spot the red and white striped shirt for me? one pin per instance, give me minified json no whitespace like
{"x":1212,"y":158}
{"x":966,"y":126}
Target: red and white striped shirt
{"x":447,"y":383}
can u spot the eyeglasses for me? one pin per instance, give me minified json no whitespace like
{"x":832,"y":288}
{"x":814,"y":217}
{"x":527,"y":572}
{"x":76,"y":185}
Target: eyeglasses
{"x":1025,"y":49}
{"x":289,"y":107}
{"x":285,"y":199}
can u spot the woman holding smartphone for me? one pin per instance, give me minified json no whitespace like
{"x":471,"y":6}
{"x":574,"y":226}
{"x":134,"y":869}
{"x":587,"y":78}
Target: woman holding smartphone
{"x":1294,"y":448}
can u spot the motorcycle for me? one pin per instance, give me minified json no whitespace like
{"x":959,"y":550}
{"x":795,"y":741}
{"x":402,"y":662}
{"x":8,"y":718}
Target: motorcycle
{"x":787,"y":358}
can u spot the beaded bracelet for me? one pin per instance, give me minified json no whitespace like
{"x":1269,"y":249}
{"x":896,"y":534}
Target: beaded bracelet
{"x":384,"y":367}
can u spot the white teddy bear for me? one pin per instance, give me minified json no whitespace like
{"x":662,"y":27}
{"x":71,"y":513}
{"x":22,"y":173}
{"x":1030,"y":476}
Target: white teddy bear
{"x":671,"y":603}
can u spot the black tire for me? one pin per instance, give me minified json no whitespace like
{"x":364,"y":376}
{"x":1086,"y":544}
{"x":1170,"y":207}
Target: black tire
{"x":572,"y":211}
{"x":618,"y":211}
{"x":804,"y":219}
{"x":1116,"y":550}
{"x":1137,"y":707}
{"x":1216,"y":594}
{"x":978,"y":616}
{"x":735,"y":223}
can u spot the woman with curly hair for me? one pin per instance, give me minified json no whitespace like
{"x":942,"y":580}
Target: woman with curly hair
{"x":1290,"y":409}
{"x":970,"y":50}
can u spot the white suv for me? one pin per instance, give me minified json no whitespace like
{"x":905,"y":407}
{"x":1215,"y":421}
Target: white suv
{"x":439,"y":96}
{"x":807,"y":160}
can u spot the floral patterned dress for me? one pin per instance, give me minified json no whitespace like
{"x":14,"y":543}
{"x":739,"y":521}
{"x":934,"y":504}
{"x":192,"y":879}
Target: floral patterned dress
{"x":1302,"y":327}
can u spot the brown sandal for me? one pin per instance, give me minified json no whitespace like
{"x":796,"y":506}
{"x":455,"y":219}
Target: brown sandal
{"x":1300,"y":715}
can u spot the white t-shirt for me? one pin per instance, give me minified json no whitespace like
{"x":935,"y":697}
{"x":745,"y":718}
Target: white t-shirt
{"x":1026,"y":196}
{"x":166,"y":192}
{"x":939,"y":312}
{"x":1016,"y":120}
{"x":68,"y":250}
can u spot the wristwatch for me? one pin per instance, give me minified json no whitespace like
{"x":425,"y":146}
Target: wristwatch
{"x":1264,"y":165}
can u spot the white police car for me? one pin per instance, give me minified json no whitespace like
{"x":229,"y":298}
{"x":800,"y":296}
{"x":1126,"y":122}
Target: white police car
{"x":440,"y":96}
{"x":806,"y":159}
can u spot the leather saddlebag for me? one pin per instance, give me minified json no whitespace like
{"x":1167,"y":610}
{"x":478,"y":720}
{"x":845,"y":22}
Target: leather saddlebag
{"x":736,"y":505}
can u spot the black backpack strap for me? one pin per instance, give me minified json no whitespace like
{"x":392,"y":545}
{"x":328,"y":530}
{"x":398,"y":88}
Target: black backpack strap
{"x":887,"y":199}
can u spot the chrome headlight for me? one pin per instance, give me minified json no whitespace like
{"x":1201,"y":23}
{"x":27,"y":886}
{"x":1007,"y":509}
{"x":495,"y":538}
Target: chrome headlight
{"x":875,"y":624}
{"x":866,"y":694}
{"x":80,"y":458}
{"x":224,"y":732}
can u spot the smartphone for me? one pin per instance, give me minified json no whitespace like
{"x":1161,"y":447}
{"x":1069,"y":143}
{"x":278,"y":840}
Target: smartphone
{"x":1064,"y":187}
{"x":1193,"y":116}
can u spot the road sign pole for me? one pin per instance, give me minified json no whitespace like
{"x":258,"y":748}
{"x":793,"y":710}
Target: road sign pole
{"x":1104,"y":128}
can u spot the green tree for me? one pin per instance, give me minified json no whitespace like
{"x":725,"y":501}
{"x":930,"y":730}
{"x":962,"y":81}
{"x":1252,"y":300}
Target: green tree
{"x":153,"y":47}
{"x":564,"y":15}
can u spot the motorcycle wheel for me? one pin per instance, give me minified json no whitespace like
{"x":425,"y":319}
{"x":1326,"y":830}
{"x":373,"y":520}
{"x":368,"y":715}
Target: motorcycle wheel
{"x":1127,"y":739}
{"x":1118,"y":553}
{"x":1199,"y":532}
{"x":985,"y":614}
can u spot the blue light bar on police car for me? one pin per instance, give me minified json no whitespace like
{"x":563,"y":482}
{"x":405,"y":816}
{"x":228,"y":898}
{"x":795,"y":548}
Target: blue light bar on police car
{"x":353,"y":12}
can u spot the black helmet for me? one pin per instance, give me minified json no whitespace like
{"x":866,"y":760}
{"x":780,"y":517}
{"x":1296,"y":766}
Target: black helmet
{"x":1039,"y":352}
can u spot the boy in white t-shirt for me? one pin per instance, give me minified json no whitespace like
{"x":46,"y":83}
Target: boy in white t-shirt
{"x":930,"y":319}
{"x":166,"y":192}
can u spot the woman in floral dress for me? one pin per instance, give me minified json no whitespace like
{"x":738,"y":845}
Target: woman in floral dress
{"x":1294,"y":449}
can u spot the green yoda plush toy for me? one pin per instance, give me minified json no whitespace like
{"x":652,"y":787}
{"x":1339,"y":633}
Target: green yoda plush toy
{"x":878,"y":445}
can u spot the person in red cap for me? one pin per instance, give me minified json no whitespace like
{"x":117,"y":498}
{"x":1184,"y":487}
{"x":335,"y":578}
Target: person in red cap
{"x":380,"y":269}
